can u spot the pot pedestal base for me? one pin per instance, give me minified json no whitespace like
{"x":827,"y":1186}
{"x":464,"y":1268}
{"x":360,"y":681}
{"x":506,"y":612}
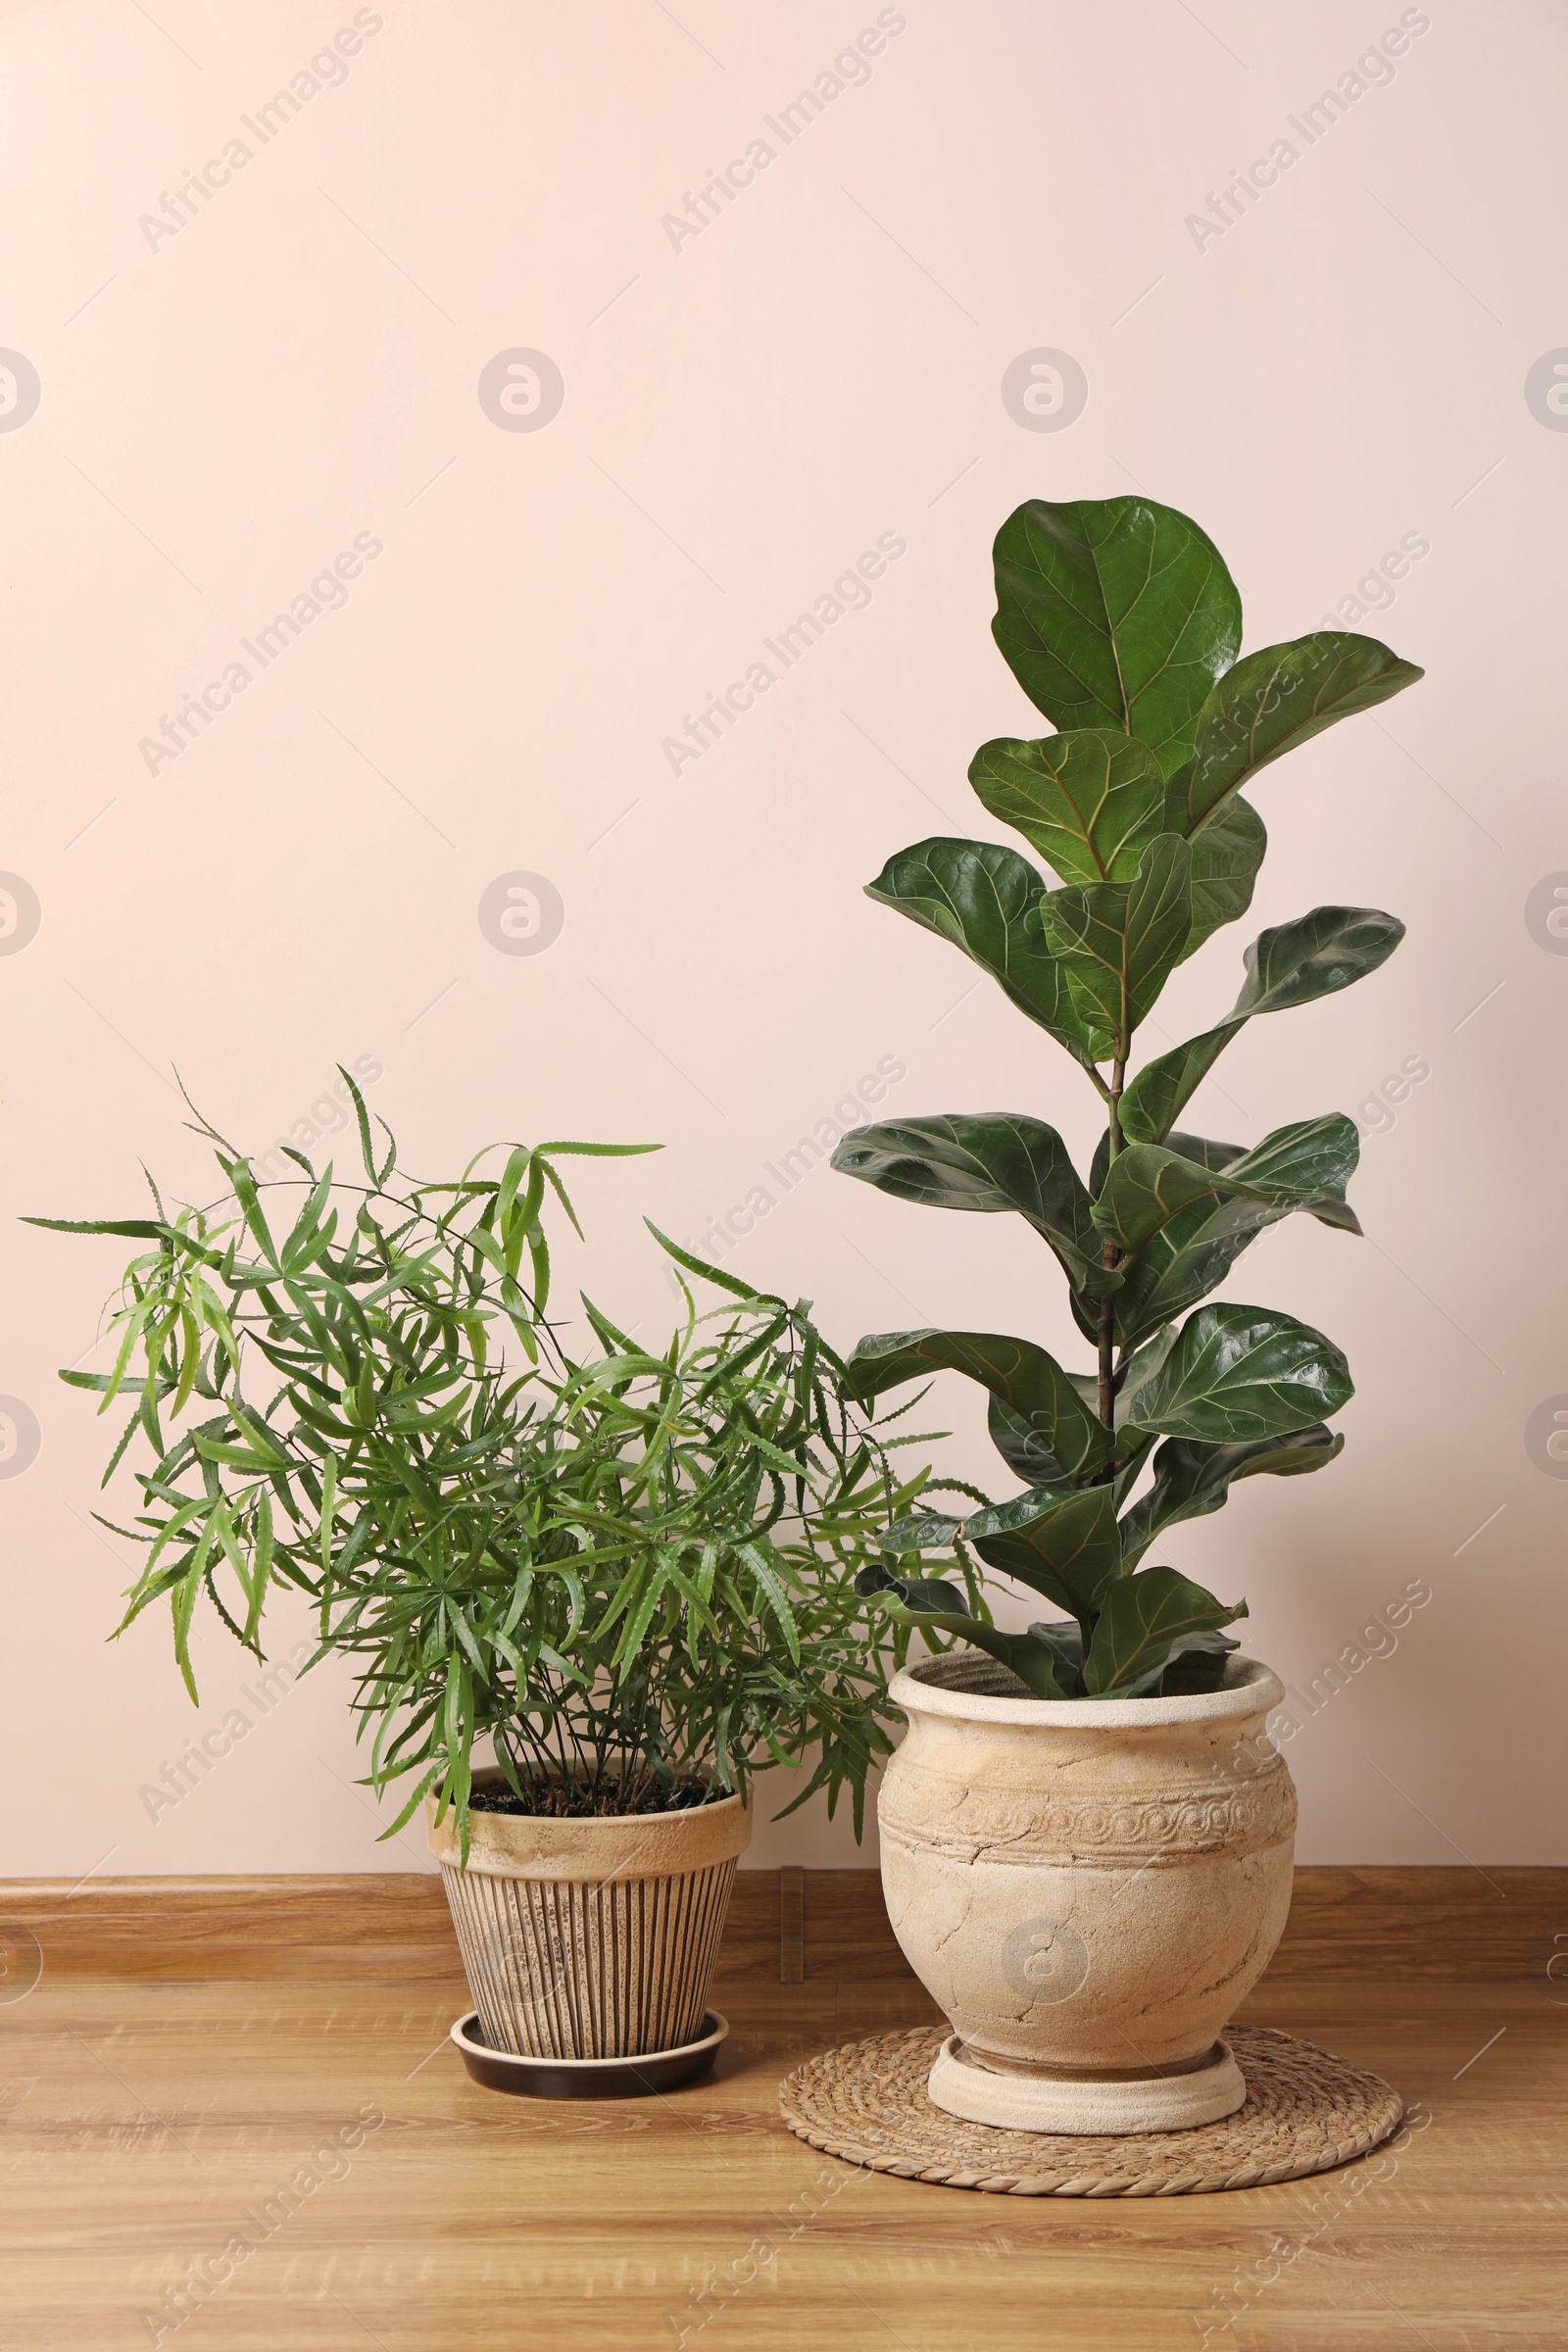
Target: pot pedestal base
{"x":960,"y":2085}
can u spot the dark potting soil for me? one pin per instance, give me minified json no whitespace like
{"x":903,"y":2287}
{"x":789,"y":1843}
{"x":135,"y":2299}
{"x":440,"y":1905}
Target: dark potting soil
{"x":559,"y":1802}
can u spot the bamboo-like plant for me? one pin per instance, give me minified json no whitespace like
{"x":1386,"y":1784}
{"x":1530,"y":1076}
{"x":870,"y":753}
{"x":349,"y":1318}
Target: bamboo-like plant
{"x":635,"y":1574}
{"x":1121,"y":621}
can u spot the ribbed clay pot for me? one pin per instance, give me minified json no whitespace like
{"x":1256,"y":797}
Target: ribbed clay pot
{"x":1087,"y":1887}
{"x":596,"y":1938}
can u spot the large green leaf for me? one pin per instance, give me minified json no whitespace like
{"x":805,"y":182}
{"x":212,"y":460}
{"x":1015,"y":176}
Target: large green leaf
{"x":1115,"y":613}
{"x":1090,"y":801}
{"x":1237,"y":1373}
{"x":1160,"y":1091}
{"x":1191,"y":1257}
{"x":1193,"y":1253}
{"x":1037,"y":1663}
{"x":986,"y":900}
{"x":1024,"y":1452}
{"x":1023,"y":1375}
{"x":1316,"y":956}
{"x":1276,"y":699}
{"x":1120,"y":941}
{"x":1226,"y":856}
{"x":1295,"y":964}
{"x":1146,"y":1619}
{"x":1061,"y":1541}
{"x":1190,"y":1480}
{"x":985,"y":1161}
{"x":1304,"y":1166}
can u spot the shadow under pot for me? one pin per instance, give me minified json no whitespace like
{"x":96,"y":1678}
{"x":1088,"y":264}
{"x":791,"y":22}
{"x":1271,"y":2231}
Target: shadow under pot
{"x":587,"y":1941}
{"x":1087,"y":1888}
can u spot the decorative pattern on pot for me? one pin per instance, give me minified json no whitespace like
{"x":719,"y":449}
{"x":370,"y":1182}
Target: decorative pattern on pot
{"x":588,"y":1939}
{"x":1087,"y":1889}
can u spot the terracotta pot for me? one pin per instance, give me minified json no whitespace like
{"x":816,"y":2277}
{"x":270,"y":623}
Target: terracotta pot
{"x":591,"y":1939}
{"x":1087,"y":1888}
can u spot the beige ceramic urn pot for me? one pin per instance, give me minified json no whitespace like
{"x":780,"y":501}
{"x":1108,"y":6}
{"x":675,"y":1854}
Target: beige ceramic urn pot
{"x":1087,"y":1887}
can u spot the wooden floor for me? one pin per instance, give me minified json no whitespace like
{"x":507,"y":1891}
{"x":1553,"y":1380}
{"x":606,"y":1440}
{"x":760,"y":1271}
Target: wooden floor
{"x":147,"y":2124}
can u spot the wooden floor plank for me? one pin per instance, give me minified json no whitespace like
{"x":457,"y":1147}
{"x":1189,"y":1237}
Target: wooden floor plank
{"x":147,"y":2124}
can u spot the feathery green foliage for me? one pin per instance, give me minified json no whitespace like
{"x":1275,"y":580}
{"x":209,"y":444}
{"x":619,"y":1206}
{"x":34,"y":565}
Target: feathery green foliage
{"x":636,"y":1573}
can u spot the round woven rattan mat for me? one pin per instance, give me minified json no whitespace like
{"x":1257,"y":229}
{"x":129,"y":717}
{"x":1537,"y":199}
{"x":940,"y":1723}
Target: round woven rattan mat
{"x":1305,"y":2111}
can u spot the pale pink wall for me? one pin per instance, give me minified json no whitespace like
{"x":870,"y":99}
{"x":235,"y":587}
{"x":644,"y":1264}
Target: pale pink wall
{"x":226,"y":409}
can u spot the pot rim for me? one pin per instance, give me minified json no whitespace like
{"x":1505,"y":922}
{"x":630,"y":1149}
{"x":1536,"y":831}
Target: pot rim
{"x":594,"y":1846}
{"x":1249,"y":1688}
{"x":491,"y":1775}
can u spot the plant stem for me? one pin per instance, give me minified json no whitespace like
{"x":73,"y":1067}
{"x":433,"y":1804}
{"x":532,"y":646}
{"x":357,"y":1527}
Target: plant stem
{"x":1111,"y":1259}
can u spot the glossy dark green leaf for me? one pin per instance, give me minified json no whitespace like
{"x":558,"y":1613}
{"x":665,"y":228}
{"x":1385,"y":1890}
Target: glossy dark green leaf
{"x":1226,"y":856}
{"x":1304,"y":1166}
{"x":1295,"y":964}
{"x":1277,"y":697}
{"x":1024,"y":1452}
{"x":985,"y":1161}
{"x":1315,"y":956}
{"x":1201,"y":1147}
{"x":1064,"y":1639}
{"x":1115,"y":613}
{"x":1190,"y":1480}
{"x":1241,"y":1372}
{"x":1035,"y":1662}
{"x":1161,"y":1089}
{"x":1090,"y":801}
{"x":1023,"y":1375}
{"x":925,"y":1530}
{"x":986,"y":900}
{"x":1198,"y":1662}
{"x":1193,"y":1254}
{"x":929,"y":1593}
{"x":1146,"y":1186}
{"x":1120,"y":941}
{"x":1189,"y":1258}
{"x":1143,"y":1618}
{"x":1062,"y":1542}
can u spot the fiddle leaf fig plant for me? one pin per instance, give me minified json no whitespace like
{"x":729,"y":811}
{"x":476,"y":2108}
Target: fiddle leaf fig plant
{"x":1121,"y":621}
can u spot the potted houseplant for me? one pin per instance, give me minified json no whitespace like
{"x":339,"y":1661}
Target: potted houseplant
{"x":632,"y":1577}
{"x":1087,"y":1836}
